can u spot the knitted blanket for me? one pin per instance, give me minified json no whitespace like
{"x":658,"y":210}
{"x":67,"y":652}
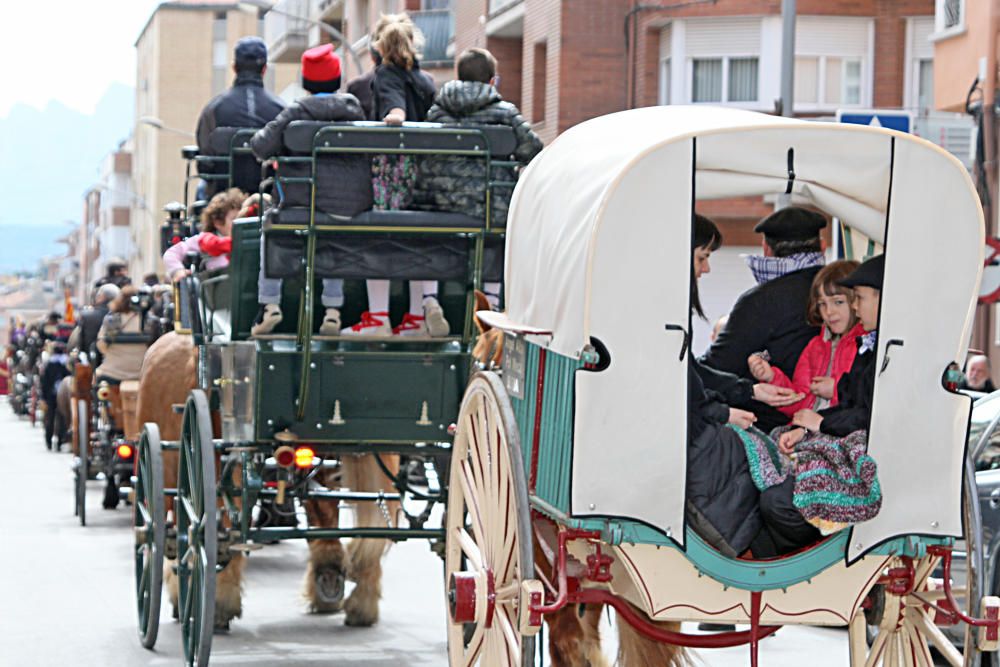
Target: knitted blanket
{"x":836,"y":482}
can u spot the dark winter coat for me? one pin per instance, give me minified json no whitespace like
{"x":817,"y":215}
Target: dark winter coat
{"x":90,"y":324}
{"x":246,"y":104}
{"x":55,"y":370}
{"x":768,"y":317}
{"x":344,"y":185}
{"x":361,"y":88}
{"x":458,"y":183}
{"x":854,"y":392}
{"x":394,"y":87}
{"x":722,"y":499}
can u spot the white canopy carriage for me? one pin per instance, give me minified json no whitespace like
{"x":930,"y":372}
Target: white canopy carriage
{"x":598,"y":246}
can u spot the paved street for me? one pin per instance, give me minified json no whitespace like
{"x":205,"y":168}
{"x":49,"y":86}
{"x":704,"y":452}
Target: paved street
{"x":66,"y":592}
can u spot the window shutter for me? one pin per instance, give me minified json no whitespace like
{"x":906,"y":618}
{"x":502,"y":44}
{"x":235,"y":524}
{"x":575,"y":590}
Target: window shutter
{"x":831,"y":36}
{"x":722,"y":37}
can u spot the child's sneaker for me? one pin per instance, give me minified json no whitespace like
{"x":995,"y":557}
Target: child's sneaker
{"x":268,"y":317}
{"x":412,"y":325}
{"x":437,"y":326}
{"x":371,"y":324}
{"x":331,"y":323}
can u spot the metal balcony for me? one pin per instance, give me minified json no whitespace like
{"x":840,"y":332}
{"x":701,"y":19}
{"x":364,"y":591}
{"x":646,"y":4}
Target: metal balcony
{"x":286,"y":30}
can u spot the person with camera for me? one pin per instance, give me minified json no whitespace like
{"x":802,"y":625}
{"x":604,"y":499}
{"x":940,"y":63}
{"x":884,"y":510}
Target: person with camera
{"x":117,"y":339}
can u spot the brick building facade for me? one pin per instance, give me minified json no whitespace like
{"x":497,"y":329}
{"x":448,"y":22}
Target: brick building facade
{"x":565,"y":61}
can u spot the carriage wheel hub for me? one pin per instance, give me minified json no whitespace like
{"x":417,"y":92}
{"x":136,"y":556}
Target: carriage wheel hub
{"x":466,"y":592}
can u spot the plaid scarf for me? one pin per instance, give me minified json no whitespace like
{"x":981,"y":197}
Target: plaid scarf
{"x":766,"y":269}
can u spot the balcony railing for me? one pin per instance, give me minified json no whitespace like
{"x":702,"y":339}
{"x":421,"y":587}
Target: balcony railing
{"x":497,"y":6}
{"x":286,"y":30}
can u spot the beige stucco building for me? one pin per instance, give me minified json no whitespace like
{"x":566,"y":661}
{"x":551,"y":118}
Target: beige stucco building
{"x":184,"y":57}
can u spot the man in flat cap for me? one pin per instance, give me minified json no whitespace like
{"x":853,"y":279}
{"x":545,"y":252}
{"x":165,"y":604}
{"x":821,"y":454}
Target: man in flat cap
{"x":771,"y":317}
{"x":246,"y":104}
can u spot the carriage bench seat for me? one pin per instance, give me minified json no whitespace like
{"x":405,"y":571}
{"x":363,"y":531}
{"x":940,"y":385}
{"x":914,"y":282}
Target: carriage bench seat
{"x":417,"y":220}
{"x":302,"y":136}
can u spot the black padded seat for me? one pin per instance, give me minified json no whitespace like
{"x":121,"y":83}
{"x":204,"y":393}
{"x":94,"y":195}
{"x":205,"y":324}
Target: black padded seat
{"x":220,"y":140}
{"x":300,"y":135}
{"x":245,"y":168}
{"x":416,"y":219}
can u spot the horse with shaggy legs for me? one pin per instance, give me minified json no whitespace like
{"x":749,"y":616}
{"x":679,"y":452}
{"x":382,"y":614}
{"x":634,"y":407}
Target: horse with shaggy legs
{"x":168,"y":376}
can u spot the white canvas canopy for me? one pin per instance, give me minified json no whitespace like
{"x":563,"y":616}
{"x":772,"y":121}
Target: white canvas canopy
{"x":599,"y":245}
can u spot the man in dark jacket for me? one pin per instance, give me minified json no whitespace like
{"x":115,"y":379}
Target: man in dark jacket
{"x":56,"y":368}
{"x":246,"y":104}
{"x":771,"y":317}
{"x":344,"y":186}
{"x":458,"y":184}
{"x":85,"y":335}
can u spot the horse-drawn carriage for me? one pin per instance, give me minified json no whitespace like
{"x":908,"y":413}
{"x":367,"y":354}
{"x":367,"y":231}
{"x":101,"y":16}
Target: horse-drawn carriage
{"x":580,"y":445}
{"x":295,"y":418}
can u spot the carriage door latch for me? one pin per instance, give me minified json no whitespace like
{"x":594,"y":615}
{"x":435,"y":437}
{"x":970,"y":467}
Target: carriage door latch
{"x":888,"y":348}
{"x":687,"y":338}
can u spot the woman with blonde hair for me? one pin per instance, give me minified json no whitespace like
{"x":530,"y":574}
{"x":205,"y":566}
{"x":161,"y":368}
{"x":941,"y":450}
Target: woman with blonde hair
{"x":401,"y":92}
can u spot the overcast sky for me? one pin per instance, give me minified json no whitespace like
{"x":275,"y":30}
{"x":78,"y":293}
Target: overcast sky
{"x":67,"y":50}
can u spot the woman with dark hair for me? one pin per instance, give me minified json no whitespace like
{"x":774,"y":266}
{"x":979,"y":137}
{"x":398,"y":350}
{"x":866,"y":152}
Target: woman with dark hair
{"x":722,"y":499}
{"x":122,"y":361}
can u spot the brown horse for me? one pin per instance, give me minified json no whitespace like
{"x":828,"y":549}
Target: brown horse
{"x":574,"y":634}
{"x":168,"y":375}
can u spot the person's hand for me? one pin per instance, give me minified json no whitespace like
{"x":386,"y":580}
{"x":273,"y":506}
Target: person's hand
{"x":177,"y":275}
{"x":822,"y":386}
{"x":788,"y":440}
{"x":394,"y":118}
{"x":741,"y":418}
{"x":809,"y":419}
{"x":760,"y":369}
{"x":774,"y":395}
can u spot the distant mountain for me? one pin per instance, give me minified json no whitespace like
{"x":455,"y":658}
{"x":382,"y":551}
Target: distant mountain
{"x":48,"y":159}
{"x":22,"y":245}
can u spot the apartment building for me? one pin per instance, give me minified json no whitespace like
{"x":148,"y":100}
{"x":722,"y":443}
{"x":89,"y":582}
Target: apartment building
{"x":184,"y":58}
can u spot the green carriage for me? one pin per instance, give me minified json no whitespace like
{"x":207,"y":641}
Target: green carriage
{"x":271,"y":413}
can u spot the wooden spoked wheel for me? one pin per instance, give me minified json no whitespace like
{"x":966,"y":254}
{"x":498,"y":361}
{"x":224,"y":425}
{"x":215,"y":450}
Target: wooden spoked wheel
{"x":197,"y":539}
{"x":905,"y":629}
{"x":489,"y":552}
{"x":82,"y":463}
{"x":148,"y":520}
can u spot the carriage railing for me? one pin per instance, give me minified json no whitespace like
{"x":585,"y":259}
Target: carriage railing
{"x":229,"y":144}
{"x":374,"y":139}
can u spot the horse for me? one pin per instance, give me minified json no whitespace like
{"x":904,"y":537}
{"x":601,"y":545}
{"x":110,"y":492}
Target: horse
{"x":168,"y":375}
{"x":574,"y":633}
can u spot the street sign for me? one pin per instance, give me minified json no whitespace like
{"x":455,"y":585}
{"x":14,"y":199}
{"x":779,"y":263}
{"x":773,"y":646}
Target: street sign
{"x":893,"y":119}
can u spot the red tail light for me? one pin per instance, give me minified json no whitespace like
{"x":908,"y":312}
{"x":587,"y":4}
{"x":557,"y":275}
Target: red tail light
{"x":124,"y":451}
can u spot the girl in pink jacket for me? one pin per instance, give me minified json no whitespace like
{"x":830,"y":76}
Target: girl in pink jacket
{"x":213,"y":242}
{"x":827,"y":356}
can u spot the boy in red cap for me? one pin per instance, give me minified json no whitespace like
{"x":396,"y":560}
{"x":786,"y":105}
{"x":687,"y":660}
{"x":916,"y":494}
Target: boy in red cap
{"x":347,"y":188}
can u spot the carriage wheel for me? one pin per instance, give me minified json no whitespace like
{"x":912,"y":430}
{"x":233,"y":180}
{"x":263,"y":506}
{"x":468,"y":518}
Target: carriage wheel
{"x":82,"y":465}
{"x":904,"y":630}
{"x":196,"y":530}
{"x":149,"y":519}
{"x":489,"y":547}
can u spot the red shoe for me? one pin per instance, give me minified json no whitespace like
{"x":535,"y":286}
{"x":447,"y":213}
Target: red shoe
{"x":412,"y":325}
{"x":371,"y":324}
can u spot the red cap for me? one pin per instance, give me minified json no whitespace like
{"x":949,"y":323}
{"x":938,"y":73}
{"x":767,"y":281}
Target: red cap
{"x":320,"y":64}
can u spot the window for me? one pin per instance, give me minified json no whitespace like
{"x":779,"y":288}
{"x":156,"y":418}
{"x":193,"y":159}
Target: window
{"x":539,"y":86}
{"x":828,"y":81}
{"x":949,"y":16}
{"x":220,"y":54}
{"x":736,"y":77}
{"x":925,"y":84}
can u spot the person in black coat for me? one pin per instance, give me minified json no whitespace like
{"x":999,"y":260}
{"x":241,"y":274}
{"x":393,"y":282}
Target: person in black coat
{"x":855,"y":391}
{"x":246,"y":104}
{"x":722,"y":499}
{"x":343,"y":182}
{"x":84,"y":337}
{"x":771,"y":317}
{"x":56,"y":368}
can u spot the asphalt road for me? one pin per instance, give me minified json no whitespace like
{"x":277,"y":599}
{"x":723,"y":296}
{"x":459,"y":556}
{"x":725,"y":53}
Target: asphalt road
{"x":66,"y":592}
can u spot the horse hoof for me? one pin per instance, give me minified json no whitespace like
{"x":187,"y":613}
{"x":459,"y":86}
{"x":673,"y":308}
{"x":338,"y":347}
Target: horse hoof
{"x":360,"y":615}
{"x":221,"y":628}
{"x":329,"y":590}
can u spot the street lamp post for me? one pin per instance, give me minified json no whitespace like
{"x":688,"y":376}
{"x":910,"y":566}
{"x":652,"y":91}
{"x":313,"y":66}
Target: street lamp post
{"x":268,"y":6}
